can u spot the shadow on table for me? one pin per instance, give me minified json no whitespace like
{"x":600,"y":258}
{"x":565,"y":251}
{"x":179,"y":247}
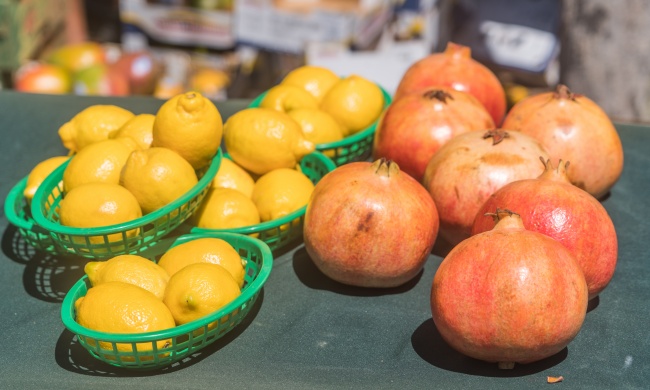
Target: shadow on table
{"x":73,"y":357}
{"x":430,"y":346}
{"x":15,"y":247}
{"x":46,"y":277}
{"x":312,"y":277}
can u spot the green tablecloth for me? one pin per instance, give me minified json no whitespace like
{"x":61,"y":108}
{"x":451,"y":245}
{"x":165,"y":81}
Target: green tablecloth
{"x":306,"y":331}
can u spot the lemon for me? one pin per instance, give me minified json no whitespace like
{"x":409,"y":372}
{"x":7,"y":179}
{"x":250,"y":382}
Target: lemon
{"x":118,"y":307}
{"x":209,"y":81}
{"x":190,"y":125}
{"x":93,"y":124}
{"x":157,"y":176}
{"x":261,"y":139}
{"x":314,"y":79}
{"x":41,"y":171}
{"x":318,"y":126}
{"x":99,"y":204}
{"x":284,"y":97}
{"x":281,"y":192}
{"x":132,"y":269}
{"x":198,"y":290}
{"x":355,"y":102}
{"x":225,"y":208}
{"x":204,"y":250}
{"x":139,"y":129}
{"x":231,"y":175}
{"x":100,"y":162}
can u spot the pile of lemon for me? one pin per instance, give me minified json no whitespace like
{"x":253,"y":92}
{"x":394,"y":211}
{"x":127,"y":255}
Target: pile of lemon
{"x":235,"y":199}
{"x":325,"y":107}
{"x":124,"y":166}
{"x":132,"y":294}
{"x":262,"y":180}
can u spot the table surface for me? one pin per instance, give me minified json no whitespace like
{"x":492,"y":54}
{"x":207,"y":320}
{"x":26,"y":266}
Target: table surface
{"x":307,"y":331}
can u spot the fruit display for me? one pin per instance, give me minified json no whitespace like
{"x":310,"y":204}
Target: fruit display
{"x":121,"y":183}
{"x":133,"y":312}
{"x":270,"y":207}
{"x":338,"y":115}
{"x":375,"y":187}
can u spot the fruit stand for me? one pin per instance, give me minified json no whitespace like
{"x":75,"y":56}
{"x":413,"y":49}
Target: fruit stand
{"x":305,"y":330}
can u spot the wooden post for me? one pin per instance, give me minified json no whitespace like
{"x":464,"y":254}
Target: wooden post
{"x":606,"y":55}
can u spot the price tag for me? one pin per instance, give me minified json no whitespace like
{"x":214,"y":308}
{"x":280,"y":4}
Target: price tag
{"x":519,"y":46}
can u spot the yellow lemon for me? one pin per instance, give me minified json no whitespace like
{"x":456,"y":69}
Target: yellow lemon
{"x":355,"y":102}
{"x":314,"y":79}
{"x":225,"y":208}
{"x":139,"y":129}
{"x":284,"y":97}
{"x":209,"y":81}
{"x":261,"y":139}
{"x":157,"y":177}
{"x":99,"y":204}
{"x":132,"y":269}
{"x":41,"y":171}
{"x":190,"y":125}
{"x":118,"y":307}
{"x":318,"y":126}
{"x":204,"y":250}
{"x":281,"y":192}
{"x":100,"y":162}
{"x":91,"y":125}
{"x":231,"y":175}
{"x":198,"y":290}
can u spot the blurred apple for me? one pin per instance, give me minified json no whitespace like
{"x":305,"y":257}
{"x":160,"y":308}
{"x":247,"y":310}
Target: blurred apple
{"x":101,"y":80}
{"x":142,"y":71}
{"x":42,"y":78}
{"x":78,"y":56}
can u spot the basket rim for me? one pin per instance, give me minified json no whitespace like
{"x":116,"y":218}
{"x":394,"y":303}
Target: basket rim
{"x":247,"y":293}
{"x":262,"y":226}
{"x":53,"y":179}
{"x":15,"y":195}
{"x":368,"y":131}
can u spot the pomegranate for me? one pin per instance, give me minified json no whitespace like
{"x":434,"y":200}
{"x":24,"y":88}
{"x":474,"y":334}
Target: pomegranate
{"x":573,"y":127}
{"x":370,"y":225}
{"x":416,"y":125}
{"x":551,"y":205}
{"x":470,"y":168}
{"x":509,"y":295}
{"x":456,"y":68}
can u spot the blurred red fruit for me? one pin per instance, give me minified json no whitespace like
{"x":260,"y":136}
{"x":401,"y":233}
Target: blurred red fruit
{"x":42,"y":78}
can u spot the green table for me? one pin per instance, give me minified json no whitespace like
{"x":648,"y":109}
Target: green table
{"x":306,"y":331}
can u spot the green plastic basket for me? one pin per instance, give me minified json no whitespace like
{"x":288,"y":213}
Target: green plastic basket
{"x":133,"y":237}
{"x":282,"y":231}
{"x":184,"y":340}
{"x":357,"y":147}
{"x":18,"y":214}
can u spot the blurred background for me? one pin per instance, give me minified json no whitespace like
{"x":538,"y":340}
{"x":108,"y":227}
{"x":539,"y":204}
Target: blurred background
{"x":236,"y":49}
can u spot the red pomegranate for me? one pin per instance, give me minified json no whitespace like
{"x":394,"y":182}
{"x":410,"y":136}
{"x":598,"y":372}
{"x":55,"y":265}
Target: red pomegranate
{"x":470,"y":168}
{"x":455,"y":68}
{"x":509,"y":295}
{"x":573,"y":127}
{"x":416,"y":125}
{"x":551,"y":205}
{"x":370,"y":225}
